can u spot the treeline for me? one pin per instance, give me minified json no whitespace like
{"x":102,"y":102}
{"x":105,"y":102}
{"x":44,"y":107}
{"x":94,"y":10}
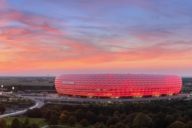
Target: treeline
{"x":156,"y":114}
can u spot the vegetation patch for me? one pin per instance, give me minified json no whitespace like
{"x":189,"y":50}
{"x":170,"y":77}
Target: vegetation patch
{"x":155,"y":114}
{"x":22,"y":122}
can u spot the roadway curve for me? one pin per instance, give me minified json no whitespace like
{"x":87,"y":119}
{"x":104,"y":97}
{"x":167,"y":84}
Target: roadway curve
{"x":38,"y":104}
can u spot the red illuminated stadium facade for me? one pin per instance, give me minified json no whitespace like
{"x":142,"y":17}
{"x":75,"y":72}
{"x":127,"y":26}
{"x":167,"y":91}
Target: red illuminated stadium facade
{"x":117,"y":85}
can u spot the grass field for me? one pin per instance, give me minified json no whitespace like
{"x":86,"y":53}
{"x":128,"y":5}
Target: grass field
{"x":38,"y":121}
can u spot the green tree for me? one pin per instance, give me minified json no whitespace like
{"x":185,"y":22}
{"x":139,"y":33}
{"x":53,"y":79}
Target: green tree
{"x":99,"y":125}
{"x":91,"y":117}
{"x":16,"y":123}
{"x":34,"y":126}
{"x":112,"y":126}
{"x":121,"y":125}
{"x":129,"y":119}
{"x":177,"y":124}
{"x":53,"y":120}
{"x":84,"y":122}
{"x":101,"y":118}
{"x":112,"y":120}
{"x":189,"y":124}
{"x":3,"y":123}
{"x":159,"y":120}
{"x":26,"y":123}
{"x":72,"y":120}
{"x":169,"y":119}
{"x":142,"y":121}
{"x":64,"y":117}
{"x":79,"y":113}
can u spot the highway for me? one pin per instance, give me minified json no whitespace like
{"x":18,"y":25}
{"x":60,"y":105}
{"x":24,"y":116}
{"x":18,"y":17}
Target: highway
{"x":40,"y":100}
{"x":38,"y":104}
{"x":54,"y":98}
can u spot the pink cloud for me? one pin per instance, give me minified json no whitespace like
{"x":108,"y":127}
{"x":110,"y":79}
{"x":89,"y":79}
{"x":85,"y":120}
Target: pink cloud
{"x":3,"y":4}
{"x":37,"y":44}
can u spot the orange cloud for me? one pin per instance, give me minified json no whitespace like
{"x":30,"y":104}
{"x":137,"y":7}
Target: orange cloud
{"x":25,"y":50}
{"x":37,"y":44}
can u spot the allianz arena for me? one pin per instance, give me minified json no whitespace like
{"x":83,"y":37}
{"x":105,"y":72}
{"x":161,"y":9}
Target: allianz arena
{"x":117,"y":85}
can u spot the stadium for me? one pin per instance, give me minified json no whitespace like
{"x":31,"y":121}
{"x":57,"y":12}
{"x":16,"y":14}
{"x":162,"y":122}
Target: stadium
{"x":118,"y":85}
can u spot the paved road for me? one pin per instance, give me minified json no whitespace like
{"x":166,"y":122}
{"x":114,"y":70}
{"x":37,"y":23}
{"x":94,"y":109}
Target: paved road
{"x":53,"y":98}
{"x":38,"y":104}
{"x":50,"y":98}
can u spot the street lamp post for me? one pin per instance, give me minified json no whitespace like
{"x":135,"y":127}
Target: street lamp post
{"x":2,"y":89}
{"x":13,"y":88}
{"x":2,"y":86}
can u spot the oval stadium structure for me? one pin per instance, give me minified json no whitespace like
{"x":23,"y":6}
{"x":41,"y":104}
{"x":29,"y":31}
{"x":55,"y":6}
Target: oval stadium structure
{"x":117,"y":85}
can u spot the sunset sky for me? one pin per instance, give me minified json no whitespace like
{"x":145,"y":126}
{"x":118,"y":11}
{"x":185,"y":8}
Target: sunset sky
{"x":49,"y":37}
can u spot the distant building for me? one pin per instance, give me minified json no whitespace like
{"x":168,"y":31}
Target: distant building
{"x":118,"y":85}
{"x":31,"y":84}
